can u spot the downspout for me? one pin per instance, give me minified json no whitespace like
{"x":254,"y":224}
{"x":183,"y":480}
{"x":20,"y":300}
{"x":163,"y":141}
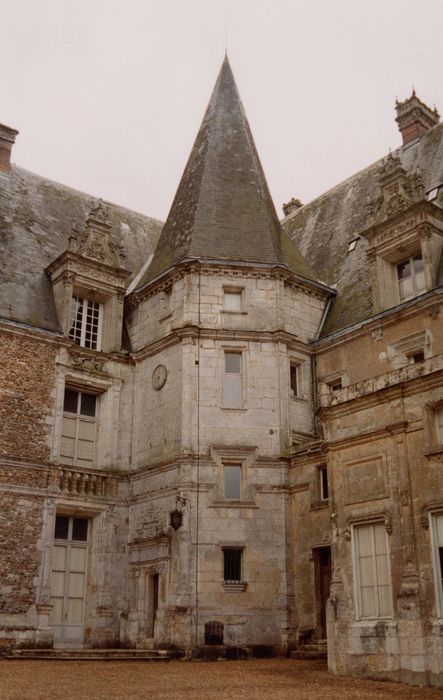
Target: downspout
{"x":314,"y":365}
{"x":197,"y":520}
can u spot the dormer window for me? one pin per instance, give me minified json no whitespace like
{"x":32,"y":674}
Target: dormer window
{"x":411,"y":277}
{"x":85,"y":323}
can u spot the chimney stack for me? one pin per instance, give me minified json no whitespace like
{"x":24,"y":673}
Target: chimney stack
{"x":291,"y":206}
{"x":414,"y":118}
{"x":7,"y":140}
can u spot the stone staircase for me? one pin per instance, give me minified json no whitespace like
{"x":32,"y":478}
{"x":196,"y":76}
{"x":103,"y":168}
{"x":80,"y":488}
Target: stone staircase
{"x":96,"y":654}
{"x":313,"y":650}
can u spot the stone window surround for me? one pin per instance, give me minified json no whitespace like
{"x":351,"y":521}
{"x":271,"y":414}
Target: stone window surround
{"x":108,"y":391}
{"x":244,"y":457}
{"x":327,"y":382}
{"x":233,"y":289}
{"x":432,"y":516}
{"x":368,"y":520}
{"x":299,"y":361}
{"x":238,"y":586}
{"x":402,"y":350}
{"x":396,"y":249}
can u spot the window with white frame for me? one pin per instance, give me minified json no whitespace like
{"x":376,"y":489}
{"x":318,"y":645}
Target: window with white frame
{"x":79,"y":427}
{"x":232,"y":299}
{"x":411,"y":277}
{"x":439,"y":423}
{"x":232,"y":380}
{"x":371,"y":566}
{"x":232,"y":481}
{"x":85,"y":322}
{"x":437,"y":537}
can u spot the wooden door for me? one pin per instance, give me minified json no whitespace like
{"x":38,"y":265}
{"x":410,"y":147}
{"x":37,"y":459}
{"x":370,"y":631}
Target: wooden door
{"x":323,"y":584}
{"x":68,"y":580}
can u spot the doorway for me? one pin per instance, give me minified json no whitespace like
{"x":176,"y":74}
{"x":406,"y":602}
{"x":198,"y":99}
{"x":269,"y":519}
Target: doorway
{"x":68,"y":580}
{"x":323,"y":571}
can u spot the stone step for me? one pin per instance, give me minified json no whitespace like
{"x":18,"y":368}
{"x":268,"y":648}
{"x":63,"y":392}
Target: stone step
{"x":96,"y":654}
{"x":301,"y":654}
{"x":313,"y":647}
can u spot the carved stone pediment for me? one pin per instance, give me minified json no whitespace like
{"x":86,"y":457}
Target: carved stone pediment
{"x":397,"y":189}
{"x":87,"y":363}
{"x":95,"y":242}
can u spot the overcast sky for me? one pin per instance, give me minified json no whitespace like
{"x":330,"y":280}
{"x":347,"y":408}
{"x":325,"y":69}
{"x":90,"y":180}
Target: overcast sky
{"x":108,"y":95}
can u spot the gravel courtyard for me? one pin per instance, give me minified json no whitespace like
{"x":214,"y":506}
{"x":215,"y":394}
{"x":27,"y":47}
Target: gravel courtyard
{"x":269,"y":678}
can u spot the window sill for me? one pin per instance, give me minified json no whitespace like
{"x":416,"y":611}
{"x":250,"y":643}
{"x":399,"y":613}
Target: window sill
{"x":237,"y":587}
{"x":233,"y":504}
{"x":320,"y":505}
{"x":437,"y":450}
{"x":300,"y":399}
{"x":228,"y":409}
{"x":234,"y":313}
{"x":164,"y":318}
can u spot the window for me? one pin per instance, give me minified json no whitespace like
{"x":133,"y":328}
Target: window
{"x":323,"y":483}
{"x":78,"y":428}
{"x":335,"y":384}
{"x":232,"y":479}
{"x":372,"y":571}
{"x":232,"y":384}
{"x":437,"y":530}
{"x":232,"y":299}
{"x":232,"y":565}
{"x":85,"y":324}
{"x":439,"y":421}
{"x":416,"y":357}
{"x":294,"y":379}
{"x":433,"y":194}
{"x":411,"y":277}
{"x":352,"y":245}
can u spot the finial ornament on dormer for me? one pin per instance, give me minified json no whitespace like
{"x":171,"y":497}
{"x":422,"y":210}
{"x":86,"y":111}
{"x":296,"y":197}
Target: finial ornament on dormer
{"x":96,"y":241}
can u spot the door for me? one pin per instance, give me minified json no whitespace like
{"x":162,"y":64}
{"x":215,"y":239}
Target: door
{"x":68,"y":580}
{"x":323,"y":583}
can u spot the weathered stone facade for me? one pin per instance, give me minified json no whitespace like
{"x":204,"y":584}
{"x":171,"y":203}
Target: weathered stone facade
{"x":205,"y":442}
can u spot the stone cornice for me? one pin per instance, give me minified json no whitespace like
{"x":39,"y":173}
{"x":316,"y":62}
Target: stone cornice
{"x":224,"y":267}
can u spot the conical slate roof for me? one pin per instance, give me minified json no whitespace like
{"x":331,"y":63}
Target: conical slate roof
{"x":223,"y":209}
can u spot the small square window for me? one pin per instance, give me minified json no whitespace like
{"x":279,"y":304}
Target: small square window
{"x":232,"y":300}
{"x":335,"y":384}
{"x":294,"y":379}
{"x":416,"y":357}
{"x":232,"y":565}
{"x":232,"y":479}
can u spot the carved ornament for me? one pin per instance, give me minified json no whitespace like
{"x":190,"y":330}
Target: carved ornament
{"x":159,"y":377}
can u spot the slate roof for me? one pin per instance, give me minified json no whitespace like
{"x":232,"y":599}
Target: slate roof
{"x":223,"y":209}
{"x":323,"y":229}
{"x":36,"y":217}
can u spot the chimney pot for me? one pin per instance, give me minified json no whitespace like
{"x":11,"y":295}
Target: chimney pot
{"x":414,"y":118}
{"x":7,"y":140}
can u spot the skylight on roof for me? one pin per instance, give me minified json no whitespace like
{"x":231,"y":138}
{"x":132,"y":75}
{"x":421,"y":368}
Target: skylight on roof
{"x":433,"y":194}
{"x":353,"y":244}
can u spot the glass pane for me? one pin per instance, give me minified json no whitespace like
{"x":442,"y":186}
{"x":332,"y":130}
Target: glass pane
{"x":80,"y":529}
{"x":233,"y":301}
{"x":418,"y":263}
{"x":232,"y":565}
{"x":75,"y":611}
{"x":232,"y":391}
{"x":232,"y":482}
{"x":294,"y":379}
{"x":61,"y":527}
{"x":233,"y":362}
{"x":404,"y":270}
{"x":71,"y":401}
{"x":420,"y":285}
{"x":88,"y":403}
